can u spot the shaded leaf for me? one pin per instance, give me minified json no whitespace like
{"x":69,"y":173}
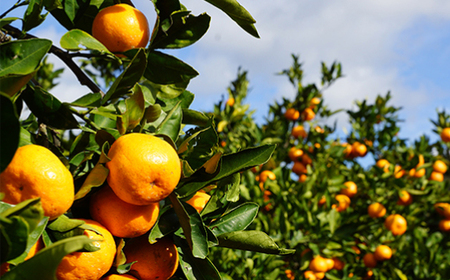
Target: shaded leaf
{"x":9,"y":131}
{"x":166,"y":69}
{"x":237,"y":219}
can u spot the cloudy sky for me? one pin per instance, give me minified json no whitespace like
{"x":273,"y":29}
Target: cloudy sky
{"x":399,"y":46}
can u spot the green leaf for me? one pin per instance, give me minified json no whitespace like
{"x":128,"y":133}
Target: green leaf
{"x":252,"y":240}
{"x":44,"y":264}
{"x":71,"y":7}
{"x":48,"y":109}
{"x":9,"y":131}
{"x":194,"y":117}
{"x":167,"y":223}
{"x":6,"y":21}
{"x":64,"y":224}
{"x":77,"y":40}
{"x":11,"y":84}
{"x":167,"y":70}
{"x":135,"y":107}
{"x":195,"y":268}
{"x":237,"y":13}
{"x":97,"y":176}
{"x":171,"y":125}
{"x":237,"y":219}
{"x":22,"y":57}
{"x":33,"y":17}
{"x":192,"y":226}
{"x":184,"y":30}
{"x":30,"y":210}
{"x":90,"y":100}
{"x":14,"y":236}
{"x":130,"y":76}
{"x":231,"y":164}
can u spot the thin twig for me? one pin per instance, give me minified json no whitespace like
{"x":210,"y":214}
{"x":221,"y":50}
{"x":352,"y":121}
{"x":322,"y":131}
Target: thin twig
{"x":64,"y":56}
{"x":13,"y":7}
{"x":86,"y":119}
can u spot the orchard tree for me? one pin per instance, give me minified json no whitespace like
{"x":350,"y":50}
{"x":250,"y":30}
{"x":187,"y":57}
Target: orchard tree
{"x":99,"y":186}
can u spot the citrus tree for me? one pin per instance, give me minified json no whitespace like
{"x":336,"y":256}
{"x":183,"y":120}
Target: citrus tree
{"x":125,"y":181}
{"x":366,"y":205}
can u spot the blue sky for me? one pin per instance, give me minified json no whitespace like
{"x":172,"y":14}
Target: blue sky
{"x":402,"y":46}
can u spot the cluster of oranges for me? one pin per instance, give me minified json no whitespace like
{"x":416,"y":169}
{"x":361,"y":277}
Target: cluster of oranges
{"x":356,"y":149}
{"x":443,"y":208}
{"x":143,"y":170}
{"x":307,"y":114}
{"x":319,"y":265}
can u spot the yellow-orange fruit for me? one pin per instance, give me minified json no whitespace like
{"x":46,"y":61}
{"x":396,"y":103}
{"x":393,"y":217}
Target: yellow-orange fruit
{"x":382,"y":253}
{"x":314,"y":102}
{"x":143,"y":168}
{"x":230,"y":101}
{"x":338,"y":264}
{"x":398,"y":172}
{"x":405,"y":198}
{"x":199,"y":200}
{"x":119,"y":277}
{"x":436,"y":176}
{"x":445,"y":134}
{"x":299,"y":131}
{"x":266,"y":174}
{"x":396,"y":224}
{"x":292,"y":114}
{"x":443,"y":208}
{"x":295,"y":153}
{"x":359,"y":150}
{"x":121,"y":27}
{"x":89,"y":265}
{"x":122,"y":219}
{"x":344,"y":202}
{"x":36,"y":172}
{"x":376,"y":210}
{"x":440,"y":166}
{"x":306,"y":159}
{"x":444,"y":225}
{"x":302,"y":178}
{"x":299,"y":168}
{"x":350,"y":189}
{"x":318,"y":264}
{"x":153,"y":261}
{"x":308,"y":114}
{"x":309,"y":275}
{"x":369,"y":260}
{"x":383,"y":164}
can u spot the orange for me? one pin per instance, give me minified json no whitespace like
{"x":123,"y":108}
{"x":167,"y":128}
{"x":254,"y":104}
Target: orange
{"x":356,"y":249}
{"x":120,"y":28}
{"x":299,"y":168}
{"x":445,"y":134}
{"x":36,"y":172}
{"x":309,"y":275}
{"x":122,"y":219}
{"x":230,"y":101}
{"x":292,"y":114}
{"x":396,"y":224}
{"x":153,"y":261}
{"x":405,"y":198}
{"x":266,"y":174}
{"x":33,"y":251}
{"x":318,"y":264}
{"x":443,"y":209}
{"x":319,"y":275}
{"x":308,"y":114}
{"x":369,"y":260}
{"x":314,"y":102}
{"x":350,"y":189}
{"x":143,"y":168}
{"x":369,"y":274}
{"x":348,"y":150}
{"x":440,"y":166}
{"x":359,"y":150}
{"x":382,"y":253}
{"x":322,"y":201}
{"x":318,"y":129}
{"x":89,"y":265}
{"x":383,"y":164}
{"x":344,"y":202}
{"x":338,"y":264}
{"x":199,"y":200}
{"x":412,"y":172}
{"x":376,"y":210}
{"x":444,"y":225}
{"x":289,"y":274}
{"x":119,"y":277}
{"x":437,"y":176}
{"x":295,"y":153}
{"x":330,"y":263}
{"x":419,"y":173}
{"x":299,"y":131}
{"x":306,"y":159}
{"x":302,"y":178}
{"x":398,"y":172}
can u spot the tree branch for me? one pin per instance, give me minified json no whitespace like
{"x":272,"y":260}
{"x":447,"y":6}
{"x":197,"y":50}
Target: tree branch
{"x":64,"y":56}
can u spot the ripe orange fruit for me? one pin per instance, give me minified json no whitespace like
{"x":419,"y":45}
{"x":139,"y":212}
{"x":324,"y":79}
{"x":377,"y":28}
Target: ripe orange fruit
{"x":36,"y":172}
{"x":382,"y":253}
{"x":443,"y":209}
{"x":230,"y":101}
{"x":444,"y":225}
{"x":299,"y":131}
{"x":266,"y":174}
{"x":299,"y":168}
{"x":445,"y":134}
{"x":420,"y":173}
{"x":302,"y":178}
{"x":119,"y":277}
{"x":405,"y":198}
{"x":289,"y":274}
{"x":350,"y":189}
{"x":318,"y":264}
{"x":33,"y":251}
{"x":143,"y":168}
{"x":396,"y":224}
{"x":121,"y":27}
{"x":89,"y":265}
{"x":344,"y":202}
{"x":319,"y":275}
{"x":314,"y":102}
{"x":322,"y":201}
{"x":306,"y":159}
{"x":359,"y":150}
{"x":295,"y":153}
{"x":356,"y":249}
{"x":436,"y":176}
{"x":376,"y":210}
{"x":122,"y":219}
{"x":199,"y":200}
{"x":292,"y":114}
{"x":330,"y":263}
{"x":369,"y":260}
{"x":348,"y":150}
{"x":318,"y":129}
{"x":338,"y":264}
{"x":309,"y":275}
{"x":440,"y":166}
{"x":398,"y":172}
{"x":153,"y":261}
{"x":308,"y":114}
{"x":383,"y":164}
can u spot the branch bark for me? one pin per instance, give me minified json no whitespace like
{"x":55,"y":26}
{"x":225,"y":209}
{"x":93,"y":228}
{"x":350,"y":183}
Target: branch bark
{"x":64,"y":56}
